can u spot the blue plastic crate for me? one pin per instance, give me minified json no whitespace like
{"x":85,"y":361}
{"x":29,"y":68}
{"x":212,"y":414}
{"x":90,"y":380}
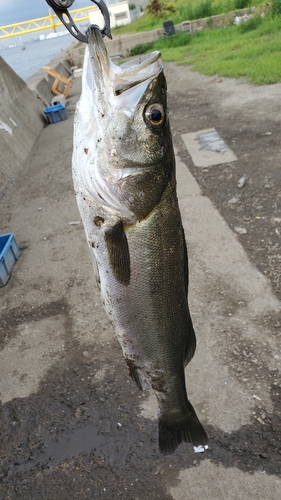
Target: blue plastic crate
{"x":9,"y":254}
{"x":55,"y":113}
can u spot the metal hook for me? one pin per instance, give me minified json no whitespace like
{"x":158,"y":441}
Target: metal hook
{"x":60,"y":8}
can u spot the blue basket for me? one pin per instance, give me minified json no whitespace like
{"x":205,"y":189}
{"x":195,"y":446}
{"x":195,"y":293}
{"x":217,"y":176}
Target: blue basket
{"x":55,"y":113}
{"x":9,"y":254}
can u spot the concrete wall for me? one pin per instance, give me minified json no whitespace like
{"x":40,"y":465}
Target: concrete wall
{"x":21,"y":122}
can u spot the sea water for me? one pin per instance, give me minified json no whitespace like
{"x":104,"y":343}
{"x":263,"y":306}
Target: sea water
{"x":27,"y":59}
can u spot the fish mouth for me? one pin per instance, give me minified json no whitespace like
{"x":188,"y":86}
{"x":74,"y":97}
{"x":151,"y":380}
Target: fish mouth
{"x":124,"y":85}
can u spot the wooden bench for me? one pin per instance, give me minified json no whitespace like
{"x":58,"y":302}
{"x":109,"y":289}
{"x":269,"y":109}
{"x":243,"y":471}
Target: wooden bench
{"x":59,"y":79}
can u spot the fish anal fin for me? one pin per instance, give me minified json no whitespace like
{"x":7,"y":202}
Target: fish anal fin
{"x":186,"y":429}
{"x":118,"y":252}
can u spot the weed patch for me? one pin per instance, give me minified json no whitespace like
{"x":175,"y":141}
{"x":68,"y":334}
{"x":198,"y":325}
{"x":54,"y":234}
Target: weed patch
{"x":178,"y":40}
{"x":141,"y":48}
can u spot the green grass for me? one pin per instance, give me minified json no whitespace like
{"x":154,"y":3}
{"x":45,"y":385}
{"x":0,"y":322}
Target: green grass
{"x":253,"y":53}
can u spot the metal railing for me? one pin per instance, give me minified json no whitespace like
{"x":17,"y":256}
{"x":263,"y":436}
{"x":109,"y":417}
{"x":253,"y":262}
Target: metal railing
{"x":43,"y":23}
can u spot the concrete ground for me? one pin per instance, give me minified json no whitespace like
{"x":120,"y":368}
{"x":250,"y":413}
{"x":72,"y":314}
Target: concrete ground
{"x":73,"y":423}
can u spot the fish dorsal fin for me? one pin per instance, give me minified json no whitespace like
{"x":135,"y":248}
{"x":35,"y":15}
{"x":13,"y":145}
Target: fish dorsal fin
{"x":118,"y":253}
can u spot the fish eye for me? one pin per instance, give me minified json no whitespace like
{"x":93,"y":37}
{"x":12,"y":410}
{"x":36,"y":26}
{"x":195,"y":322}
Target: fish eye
{"x":155,"y":115}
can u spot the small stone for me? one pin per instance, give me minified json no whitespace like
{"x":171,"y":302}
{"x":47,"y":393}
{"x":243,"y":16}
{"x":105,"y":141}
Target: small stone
{"x":241,"y":182}
{"x":240,"y":230}
{"x":233,"y":200}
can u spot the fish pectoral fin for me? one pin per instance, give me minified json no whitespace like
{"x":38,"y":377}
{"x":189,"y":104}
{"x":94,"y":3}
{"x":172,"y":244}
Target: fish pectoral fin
{"x":118,"y":253}
{"x":173,"y":432}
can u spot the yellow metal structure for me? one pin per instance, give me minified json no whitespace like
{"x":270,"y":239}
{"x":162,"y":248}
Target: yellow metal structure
{"x":43,"y":23}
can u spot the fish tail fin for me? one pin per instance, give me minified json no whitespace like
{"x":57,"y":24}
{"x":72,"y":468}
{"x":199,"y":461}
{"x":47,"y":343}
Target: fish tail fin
{"x":187,"y":429}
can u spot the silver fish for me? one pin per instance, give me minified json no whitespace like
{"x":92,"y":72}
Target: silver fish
{"x":124,"y":179}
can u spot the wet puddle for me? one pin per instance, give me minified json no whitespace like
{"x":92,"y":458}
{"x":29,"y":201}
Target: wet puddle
{"x":80,"y":441}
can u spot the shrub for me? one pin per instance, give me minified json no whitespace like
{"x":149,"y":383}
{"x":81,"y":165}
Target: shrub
{"x":203,"y":9}
{"x":241,"y":4}
{"x":276,"y":8}
{"x":157,"y":9}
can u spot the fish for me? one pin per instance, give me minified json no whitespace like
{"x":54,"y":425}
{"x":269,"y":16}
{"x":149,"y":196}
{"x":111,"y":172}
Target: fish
{"x":125,"y":185}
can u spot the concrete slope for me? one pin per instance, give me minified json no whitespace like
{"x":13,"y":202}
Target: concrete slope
{"x":21,"y":122}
